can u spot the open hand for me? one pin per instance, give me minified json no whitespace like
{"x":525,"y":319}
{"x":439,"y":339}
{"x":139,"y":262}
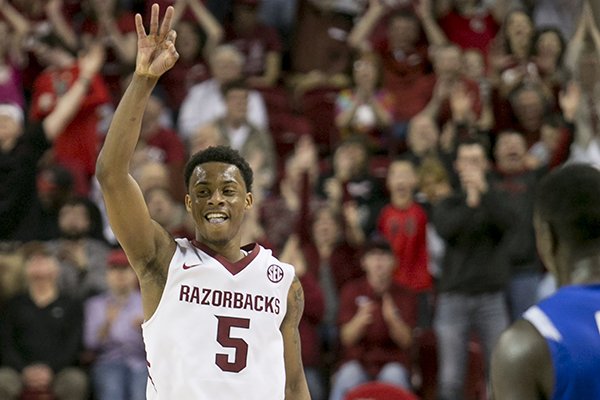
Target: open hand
{"x":156,"y":52}
{"x":569,"y":100}
{"x":91,"y":60}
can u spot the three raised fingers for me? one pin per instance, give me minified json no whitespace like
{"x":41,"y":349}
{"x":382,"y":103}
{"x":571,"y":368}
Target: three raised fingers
{"x":165,"y":27}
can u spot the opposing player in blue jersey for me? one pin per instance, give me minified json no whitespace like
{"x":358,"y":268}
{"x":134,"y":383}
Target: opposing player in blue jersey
{"x":553,"y":352}
{"x":221,"y":320}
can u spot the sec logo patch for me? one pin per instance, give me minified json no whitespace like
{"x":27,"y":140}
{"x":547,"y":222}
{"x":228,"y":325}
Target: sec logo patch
{"x":275,"y":273}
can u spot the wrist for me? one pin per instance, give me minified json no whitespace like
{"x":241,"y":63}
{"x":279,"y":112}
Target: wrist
{"x":84,"y":80}
{"x":144,"y":78}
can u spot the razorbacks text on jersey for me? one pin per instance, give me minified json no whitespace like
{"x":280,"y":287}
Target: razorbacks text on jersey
{"x":569,"y":320}
{"x":215,"y":333}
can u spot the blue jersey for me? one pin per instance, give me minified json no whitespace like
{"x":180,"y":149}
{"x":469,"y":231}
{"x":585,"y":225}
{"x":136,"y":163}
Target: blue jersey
{"x":570,"y":322}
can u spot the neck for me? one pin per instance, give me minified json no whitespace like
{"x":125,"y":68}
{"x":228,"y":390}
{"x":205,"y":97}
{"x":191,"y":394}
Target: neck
{"x":586,"y":271}
{"x":379,"y":287}
{"x":520,"y":49}
{"x":234,"y":123}
{"x":230,"y":250}
{"x":511,"y":168}
{"x":324,"y":249}
{"x":401,"y":201}
{"x":43,"y":293}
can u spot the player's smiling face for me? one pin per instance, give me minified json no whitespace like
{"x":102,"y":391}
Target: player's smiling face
{"x":217,"y":201}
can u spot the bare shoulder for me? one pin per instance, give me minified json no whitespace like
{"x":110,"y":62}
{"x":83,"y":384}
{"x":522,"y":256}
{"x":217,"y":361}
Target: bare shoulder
{"x":521,"y":364}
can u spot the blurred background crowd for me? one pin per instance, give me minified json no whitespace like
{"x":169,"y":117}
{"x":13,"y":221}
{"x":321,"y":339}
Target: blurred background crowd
{"x":396,"y":146}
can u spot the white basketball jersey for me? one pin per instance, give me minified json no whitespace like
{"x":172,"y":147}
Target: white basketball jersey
{"x":215,"y":334}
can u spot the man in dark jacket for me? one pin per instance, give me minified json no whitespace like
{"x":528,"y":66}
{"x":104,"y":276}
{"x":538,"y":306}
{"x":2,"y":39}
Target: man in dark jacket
{"x":473,"y":222}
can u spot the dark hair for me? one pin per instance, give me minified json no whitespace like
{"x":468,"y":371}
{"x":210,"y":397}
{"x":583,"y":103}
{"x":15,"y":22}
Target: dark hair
{"x":376,"y":243}
{"x":549,"y":29}
{"x":554,"y":120}
{"x":474,"y":141}
{"x":54,"y":41}
{"x":96,"y":229}
{"x":237,"y":84}
{"x":567,"y":199}
{"x":505,"y":42}
{"x":223,"y":154}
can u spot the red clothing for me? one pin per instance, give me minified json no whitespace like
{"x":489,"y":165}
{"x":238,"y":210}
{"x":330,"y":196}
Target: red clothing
{"x":376,"y":348}
{"x":343,"y":262}
{"x":411,"y":97}
{"x":406,"y":77}
{"x":399,"y":68}
{"x":473,"y":32}
{"x":472,"y":87}
{"x":168,"y":147}
{"x":77,"y":147}
{"x":255,"y":45}
{"x":314,"y":309}
{"x":113,"y":70}
{"x":171,"y":147}
{"x":406,"y":230}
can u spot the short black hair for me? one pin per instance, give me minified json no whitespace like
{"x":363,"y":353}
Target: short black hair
{"x":223,"y":154}
{"x":237,"y":84}
{"x":568,"y":199}
{"x":96,"y":229}
{"x":376,"y":243}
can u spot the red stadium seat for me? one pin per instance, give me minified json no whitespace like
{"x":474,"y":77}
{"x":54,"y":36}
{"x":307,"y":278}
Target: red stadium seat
{"x":379,"y":391}
{"x":33,"y":394}
{"x":285,"y":129}
{"x":276,"y":99}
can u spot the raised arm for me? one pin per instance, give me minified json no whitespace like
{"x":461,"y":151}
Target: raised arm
{"x":575,"y":46}
{"x":435,"y":35}
{"x":296,"y":387}
{"x":68,"y":104}
{"x":359,"y":35}
{"x":123,"y":43}
{"x":19,"y":23}
{"x":210,"y":25}
{"x":146,"y":243}
{"x":593,"y":28}
{"x":60,"y":25}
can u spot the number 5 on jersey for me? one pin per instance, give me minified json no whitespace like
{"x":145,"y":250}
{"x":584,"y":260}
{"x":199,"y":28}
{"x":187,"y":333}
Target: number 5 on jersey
{"x":224,"y":338}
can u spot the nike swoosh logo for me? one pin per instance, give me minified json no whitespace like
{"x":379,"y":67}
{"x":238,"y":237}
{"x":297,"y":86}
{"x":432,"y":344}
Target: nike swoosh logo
{"x":190,"y":266}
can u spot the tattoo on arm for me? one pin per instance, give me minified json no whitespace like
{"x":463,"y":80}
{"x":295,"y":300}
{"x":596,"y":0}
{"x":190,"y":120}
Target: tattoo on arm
{"x":298,"y":294}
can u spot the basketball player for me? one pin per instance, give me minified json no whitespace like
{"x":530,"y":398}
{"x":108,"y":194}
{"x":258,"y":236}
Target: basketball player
{"x":221,"y":321}
{"x":553,"y":352}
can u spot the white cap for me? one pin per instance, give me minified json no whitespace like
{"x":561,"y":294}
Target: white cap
{"x":12,"y":110}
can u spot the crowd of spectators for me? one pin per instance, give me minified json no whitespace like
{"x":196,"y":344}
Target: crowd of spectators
{"x":396,"y":146}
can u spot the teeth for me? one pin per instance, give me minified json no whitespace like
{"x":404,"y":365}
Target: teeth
{"x":216,"y":218}
{"x":216,"y":215}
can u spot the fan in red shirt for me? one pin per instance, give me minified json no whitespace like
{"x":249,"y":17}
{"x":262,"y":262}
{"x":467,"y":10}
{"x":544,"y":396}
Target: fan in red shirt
{"x":77,"y":147}
{"x":403,"y":223}
{"x":376,"y":319}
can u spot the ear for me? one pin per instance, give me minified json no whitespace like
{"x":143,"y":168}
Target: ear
{"x":547,"y":243}
{"x":188,"y":203}
{"x":249,"y":200}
